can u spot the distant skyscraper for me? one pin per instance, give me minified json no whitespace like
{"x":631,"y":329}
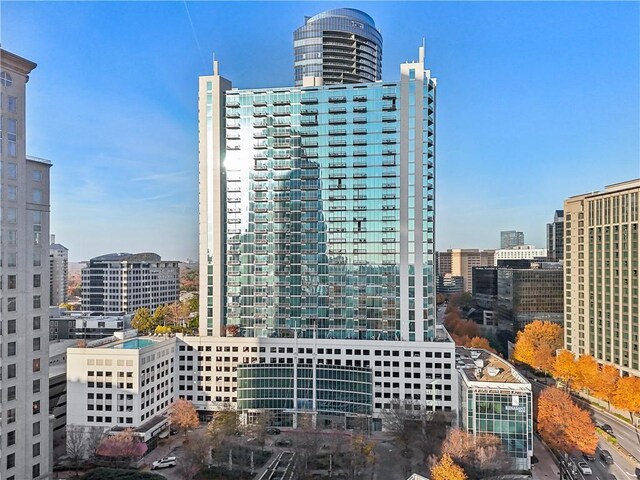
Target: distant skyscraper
{"x":555,"y":238}
{"x":511,"y":238}
{"x":24,"y":337}
{"x":338,"y":46}
{"x":124,"y":282}
{"x":601,"y":263}
{"x":59,"y":272}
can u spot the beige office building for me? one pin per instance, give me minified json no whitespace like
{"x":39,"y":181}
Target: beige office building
{"x":601,"y":275}
{"x":24,"y":289}
{"x":460,"y":262}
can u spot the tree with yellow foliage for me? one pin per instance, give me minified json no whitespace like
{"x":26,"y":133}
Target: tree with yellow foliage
{"x":627,"y":395}
{"x":536,"y":345}
{"x":606,"y":383}
{"x":587,"y":373}
{"x":447,"y":469}
{"x":564,"y":425}
{"x":564,"y":368}
{"x":480,"y":342}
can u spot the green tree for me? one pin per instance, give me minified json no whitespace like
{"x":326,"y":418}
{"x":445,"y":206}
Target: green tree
{"x":143,"y":321}
{"x":160,"y":314}
{"x":193,"y":304}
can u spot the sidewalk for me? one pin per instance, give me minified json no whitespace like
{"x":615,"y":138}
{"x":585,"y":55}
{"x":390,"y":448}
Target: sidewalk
{"x":163,"y":450}
{"x":546,"y":467}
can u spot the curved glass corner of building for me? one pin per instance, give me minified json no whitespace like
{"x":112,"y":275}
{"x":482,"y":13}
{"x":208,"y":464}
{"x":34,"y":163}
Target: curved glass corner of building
{"x":340,"y":46}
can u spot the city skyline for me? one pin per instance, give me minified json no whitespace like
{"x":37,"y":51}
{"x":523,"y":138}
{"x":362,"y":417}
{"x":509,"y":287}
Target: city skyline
{"x":125,"y":179}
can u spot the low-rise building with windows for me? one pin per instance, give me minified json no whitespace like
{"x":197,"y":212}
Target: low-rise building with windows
{"x":122,"y":383}
{"x":496,"y":399}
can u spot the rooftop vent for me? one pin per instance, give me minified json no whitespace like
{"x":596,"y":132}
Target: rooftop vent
{"x":493,"y":371}
{"x":479,"y":363}
{"x":475,"y":354}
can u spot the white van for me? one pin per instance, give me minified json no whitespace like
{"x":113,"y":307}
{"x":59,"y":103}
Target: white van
{"x":164,"y":463}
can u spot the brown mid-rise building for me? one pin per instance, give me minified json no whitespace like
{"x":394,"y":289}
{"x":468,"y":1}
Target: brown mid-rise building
{"x":459,"y":262}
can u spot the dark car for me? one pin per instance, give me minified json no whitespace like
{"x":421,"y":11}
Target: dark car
{"x":606,"y":457}
{"x":272,"y":431}
{"x":588,"y":456}
{"x":605,"y":427}
{"x":612,"y":477}
{"x":283,"y":443}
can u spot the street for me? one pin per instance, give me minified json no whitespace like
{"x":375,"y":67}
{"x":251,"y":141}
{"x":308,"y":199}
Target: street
{"x":626,"y":435}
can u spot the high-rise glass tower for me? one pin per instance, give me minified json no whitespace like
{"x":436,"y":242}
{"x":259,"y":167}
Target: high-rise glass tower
{"x":339,"y":46}
{"x":317,"y":209}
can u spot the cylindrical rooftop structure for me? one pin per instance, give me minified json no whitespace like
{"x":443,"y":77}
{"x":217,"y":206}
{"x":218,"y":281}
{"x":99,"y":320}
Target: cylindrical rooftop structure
{"x":341,"y":45}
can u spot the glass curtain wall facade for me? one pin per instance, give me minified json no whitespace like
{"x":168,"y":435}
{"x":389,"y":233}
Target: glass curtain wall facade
{"x":320,"y":184}
{"x":324,"y":389}
{"x":507,"y":414}
{"x":339,"y":46}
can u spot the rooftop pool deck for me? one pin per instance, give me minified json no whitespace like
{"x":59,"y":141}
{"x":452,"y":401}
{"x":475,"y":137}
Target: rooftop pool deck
{"x":134,"y":343}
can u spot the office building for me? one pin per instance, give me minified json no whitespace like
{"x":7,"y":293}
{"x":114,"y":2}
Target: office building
{"x":337,"y":46}
{"x":485,"y":287}
{"x":126,"y":383}
{"x":303,"y":191}
{"x":495,"y":399}
{"x":120,"y":283}
{"x":525,"y":295}
{"x":521,"y":252}
{"x":58,"y":272}
{"x":601,"y":269}
{"x":511,"y":238}
{"x":24,"y":422}
{"x":75,"y":325}
{"x":460,"y":262}
{"x":555,"y":237}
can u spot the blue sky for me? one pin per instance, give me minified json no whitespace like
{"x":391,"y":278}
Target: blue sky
{"x":536,"y":102}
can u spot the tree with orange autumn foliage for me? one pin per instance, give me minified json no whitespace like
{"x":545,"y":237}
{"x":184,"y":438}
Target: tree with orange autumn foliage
{"x":447,"y":469}
{"x":627,"y":395}
{"x":564,"y":425}
{"x":606,"y":383}
{"x":480,"y":342}
{"x":564,"y":368}
{"x":183,"y":415}
{"x":587,"y":373}
{"x":536,"y":345}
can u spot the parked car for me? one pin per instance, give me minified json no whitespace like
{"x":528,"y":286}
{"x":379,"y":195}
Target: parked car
{"x":605,"y":427}
{"x":164,"y":463}
{"x":272,"y":431}
{"x":584,"y":468}
{"x":283,"y":443}
{"x":588,"y":456}
{"x":606,"y":457}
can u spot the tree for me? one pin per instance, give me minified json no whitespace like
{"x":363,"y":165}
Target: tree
{"x":143,"y":321}
{"x":183,"y":415}
{"x":461,"y":300}
{"x":564,"y":368}
{"x":76,"y":448}
{"x":446,"y":469}
{"x":564,"y":425}
{"x":177,"y":313}
{"x":537,"y":344}
{"x":606,"y":383}
{"x":362,"y":454}
{"x":480,"y":342}
{"x":587,"y":373}
{"x":93,"y":439}
{"x":401,"y":422}
{"x":195,"y":457}
{"x":122,"y":447}
{"x":223,"y":425}
{"x":193,"y":304}
{"x":160,"y":315}
{"x":627,"y":395}
{"x":481,"y":455}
